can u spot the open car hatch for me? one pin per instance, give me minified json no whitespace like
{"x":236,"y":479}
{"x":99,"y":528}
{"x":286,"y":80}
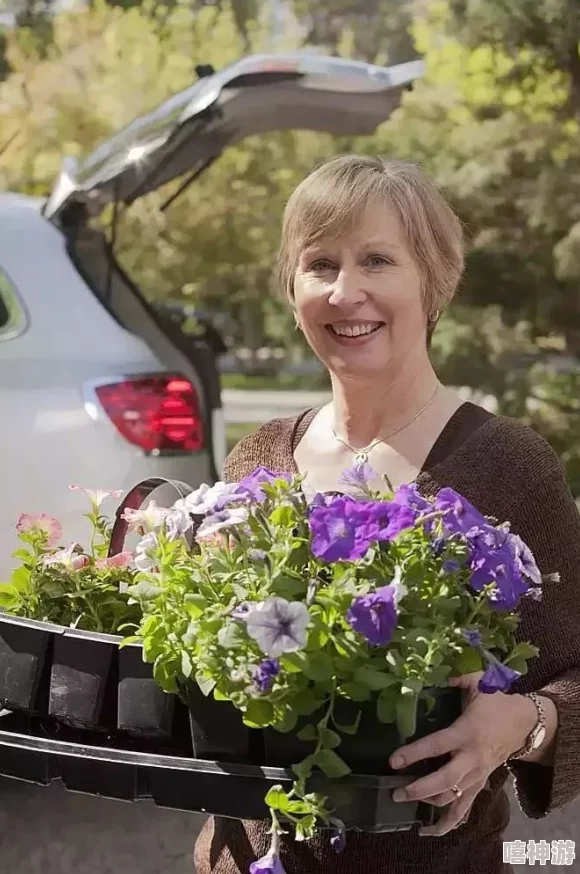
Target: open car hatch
{"x":255,"y":95}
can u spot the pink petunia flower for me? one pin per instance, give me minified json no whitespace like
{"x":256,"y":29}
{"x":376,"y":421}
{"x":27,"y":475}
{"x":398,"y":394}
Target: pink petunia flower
{"x":121,"y":560}
{"x":40,"y":523}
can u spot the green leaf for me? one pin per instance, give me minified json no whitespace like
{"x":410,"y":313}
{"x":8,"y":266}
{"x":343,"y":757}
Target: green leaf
{"x":186,"y":665}
{"x":386,"y":707}
{"x":206,"y":684}
{"x":523,"y":651}
{"x":329,"y":738}
{"x":319,"y":667}
{"x":394,"y":658}
{"x":308,"y":733}
{"x":411,"y":684}
{"x":287,"y":723}
{"x":194,"y":604}
{"x":283,"y":515}
{"x":349,"y":729}
{"x":355,"y":691}
{"x":406,"y":714}
{"x":374,"y":679}
{"x":305,"y":827}
{"x":303,"y":769}
{"x":230,"y":636}
{"x":467,"y":662}
{"x":306,"y":703}
{"x":331,"y":764}
{"x":276,"y":798}
{"x":144,"y":591}
{"x":293,"y":662}
{"x":259,"y":713}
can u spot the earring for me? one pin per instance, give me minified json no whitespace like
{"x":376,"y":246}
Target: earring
{"x":434,"y":316}
{"x":296,"y":324}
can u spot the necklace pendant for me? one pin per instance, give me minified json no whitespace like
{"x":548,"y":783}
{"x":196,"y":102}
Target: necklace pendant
{"x":361,"y":457}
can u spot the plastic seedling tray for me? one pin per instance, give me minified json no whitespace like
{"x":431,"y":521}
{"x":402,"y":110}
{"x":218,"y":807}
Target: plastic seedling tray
{"x":29,"y":751}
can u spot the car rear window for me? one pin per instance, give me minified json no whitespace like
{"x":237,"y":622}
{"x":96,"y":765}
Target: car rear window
{"x":12,"y":313}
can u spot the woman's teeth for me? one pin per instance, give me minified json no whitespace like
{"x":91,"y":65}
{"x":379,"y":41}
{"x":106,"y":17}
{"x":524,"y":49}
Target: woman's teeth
{"x":355,"y":330}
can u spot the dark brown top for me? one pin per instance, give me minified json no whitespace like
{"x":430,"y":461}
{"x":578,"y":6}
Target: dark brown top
{"x":507,"y":471}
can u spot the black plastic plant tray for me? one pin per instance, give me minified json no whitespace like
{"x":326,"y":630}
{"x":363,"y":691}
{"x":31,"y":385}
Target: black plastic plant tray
{"x":29,"y":752}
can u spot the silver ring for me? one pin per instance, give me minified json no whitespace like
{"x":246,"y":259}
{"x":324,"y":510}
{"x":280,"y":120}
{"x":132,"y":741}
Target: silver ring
{"x":457,"y":791}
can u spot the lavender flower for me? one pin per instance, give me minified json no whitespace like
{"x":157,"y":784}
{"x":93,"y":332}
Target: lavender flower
{"x":178,"y":522}
{"x":497,"y":678}
{"x":278,"y":626}
{"x":358,"y":476}
{"x":251,"y":489}
{"x":144,"y":552}
{"x":375,"y":615}
{"x":226,"y":518}
{"x":265,"y":674}
{"x":207,"y":499}
{"x":524,"y":559}
{"x":268,"y":864}
{"x":460,"y":516}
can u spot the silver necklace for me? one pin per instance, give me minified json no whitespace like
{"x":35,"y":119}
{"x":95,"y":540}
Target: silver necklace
{"x":361,"y":456}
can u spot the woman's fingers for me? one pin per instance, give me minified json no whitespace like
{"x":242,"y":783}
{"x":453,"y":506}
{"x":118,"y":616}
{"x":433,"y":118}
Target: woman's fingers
{"x":457,"y":813}
{"x":440,"y":782}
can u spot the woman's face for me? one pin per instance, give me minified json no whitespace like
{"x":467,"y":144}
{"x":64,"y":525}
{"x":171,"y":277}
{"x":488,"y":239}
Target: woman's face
{"x":358,"y":298}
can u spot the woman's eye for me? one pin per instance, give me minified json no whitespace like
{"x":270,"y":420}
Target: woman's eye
{"x":378,"y":261}
{"x":320,"y":265}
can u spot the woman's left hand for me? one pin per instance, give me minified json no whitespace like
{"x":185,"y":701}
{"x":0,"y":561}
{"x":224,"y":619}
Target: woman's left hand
{"x":491,"y":728}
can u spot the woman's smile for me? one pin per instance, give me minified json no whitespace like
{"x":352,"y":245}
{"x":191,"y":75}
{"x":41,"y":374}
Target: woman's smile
{"x":354,"y":333}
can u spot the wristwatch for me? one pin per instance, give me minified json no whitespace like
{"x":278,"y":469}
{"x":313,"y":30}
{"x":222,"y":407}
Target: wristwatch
{"x":537,"y":734}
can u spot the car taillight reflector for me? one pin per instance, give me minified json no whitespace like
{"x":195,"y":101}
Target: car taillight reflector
{"x":156,"y":413}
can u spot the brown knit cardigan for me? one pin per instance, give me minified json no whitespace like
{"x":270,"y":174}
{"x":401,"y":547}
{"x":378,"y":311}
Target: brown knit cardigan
{"x":511,"y":473}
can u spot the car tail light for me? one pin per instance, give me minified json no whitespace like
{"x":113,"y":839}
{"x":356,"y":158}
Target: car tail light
{"x":156,"y":413}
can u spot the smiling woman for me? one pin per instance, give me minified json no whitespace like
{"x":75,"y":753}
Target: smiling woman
{"x":371,"y":254}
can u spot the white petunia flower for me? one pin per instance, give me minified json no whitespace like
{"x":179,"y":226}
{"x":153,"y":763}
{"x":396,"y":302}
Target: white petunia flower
{"x":278,"y":626}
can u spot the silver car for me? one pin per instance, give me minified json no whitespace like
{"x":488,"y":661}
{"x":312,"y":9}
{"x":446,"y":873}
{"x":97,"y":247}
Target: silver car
{"x":96,"y":387}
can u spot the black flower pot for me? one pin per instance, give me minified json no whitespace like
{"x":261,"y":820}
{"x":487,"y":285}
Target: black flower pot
{"x":218,"y":732}
{"x":143,"y":708}
{"x":121,"y":782}
{"x":25,"y":656}
{"x":83,"y":680}
{"x":368,"y":751}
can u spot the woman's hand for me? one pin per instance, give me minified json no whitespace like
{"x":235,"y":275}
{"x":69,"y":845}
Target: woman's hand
{"x":491,"y":728}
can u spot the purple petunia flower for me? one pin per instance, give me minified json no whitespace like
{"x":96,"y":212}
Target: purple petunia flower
{"x":251,"y":489}
{"x":460,"y":517}
{"x":268,"y":864}
{"x":265,"y":674}
{"x":472,"y":637}
{"x":358,"y":476}
{"x":409,"y":495}
{"x":496,"y":565}
{"x":375,"y":615}
{"x":338,"y":839}
{"x":343,"y":528}
{"x":497,"y":678}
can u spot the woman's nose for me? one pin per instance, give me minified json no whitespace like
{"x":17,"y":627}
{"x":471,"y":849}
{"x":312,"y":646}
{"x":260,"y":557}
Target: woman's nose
{"x":347,"y":288}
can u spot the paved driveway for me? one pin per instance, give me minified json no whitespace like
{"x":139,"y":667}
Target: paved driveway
{"x":51,"y":831}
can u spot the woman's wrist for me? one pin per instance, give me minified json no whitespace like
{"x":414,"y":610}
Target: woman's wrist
{"x":528,"y":719}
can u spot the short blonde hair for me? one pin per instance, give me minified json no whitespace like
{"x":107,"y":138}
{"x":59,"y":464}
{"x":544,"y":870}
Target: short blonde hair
{"x":332,"y":197}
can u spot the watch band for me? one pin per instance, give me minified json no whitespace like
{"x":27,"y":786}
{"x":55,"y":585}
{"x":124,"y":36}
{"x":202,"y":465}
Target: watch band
{"x":537,"y":734}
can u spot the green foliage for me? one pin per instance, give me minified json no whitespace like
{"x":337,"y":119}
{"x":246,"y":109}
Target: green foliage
{"x":71,"y":587}
{"x":195,"y":627}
